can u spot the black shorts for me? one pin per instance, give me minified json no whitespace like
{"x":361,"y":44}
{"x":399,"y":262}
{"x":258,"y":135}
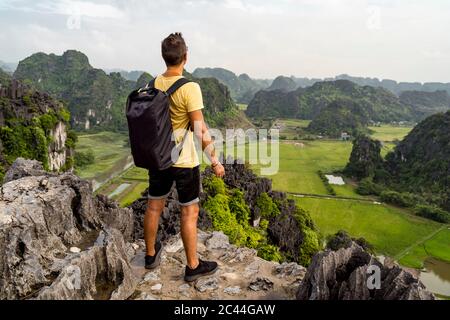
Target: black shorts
{"x":186,"y":180}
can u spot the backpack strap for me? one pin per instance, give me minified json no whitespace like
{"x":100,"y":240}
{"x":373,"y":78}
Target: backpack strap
{"x":177,"y":85}
{"x":151,"y":84}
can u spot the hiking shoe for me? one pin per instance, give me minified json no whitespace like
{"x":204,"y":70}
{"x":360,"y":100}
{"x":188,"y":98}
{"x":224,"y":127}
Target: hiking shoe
{"x":151,"y":262}
{"x":204,"y":268}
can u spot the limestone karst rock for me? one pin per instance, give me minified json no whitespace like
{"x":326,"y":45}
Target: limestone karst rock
{"x":42,"y":216}
{"x":58,"y":241}
{"x":343,"y":275}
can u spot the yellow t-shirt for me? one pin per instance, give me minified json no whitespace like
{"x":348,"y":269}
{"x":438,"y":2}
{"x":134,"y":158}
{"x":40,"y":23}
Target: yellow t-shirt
{"x":186,"y":99}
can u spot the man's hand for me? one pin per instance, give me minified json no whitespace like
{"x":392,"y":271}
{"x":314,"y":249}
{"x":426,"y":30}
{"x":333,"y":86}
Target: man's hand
{"x":218,"y":169}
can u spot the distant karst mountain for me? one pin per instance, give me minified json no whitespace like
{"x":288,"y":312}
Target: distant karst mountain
{"x":283,"y":83}
{"x":94,"y":98}
{"x":394,"y":86}
{"x":426,"y":103}
{"x":421,"y":162}
{"x":220,"y":110}
{"x":128,"y":75}
{"x":242,"y":87}
{"x":307,"y":103}
{"x":143,"y":80}
{"x":342,"y":115}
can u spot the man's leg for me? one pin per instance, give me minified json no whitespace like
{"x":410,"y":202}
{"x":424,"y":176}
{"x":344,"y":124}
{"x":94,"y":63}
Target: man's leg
{"x":189,"y":217}
{"x":151,"y":222}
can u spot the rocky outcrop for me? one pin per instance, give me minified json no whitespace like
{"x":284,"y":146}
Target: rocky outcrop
{"x":57,"y":151}
{"x":353,"y":274}
{"x":241,"y":274}
{"x":33,"y":125}
{"x":57,"y":241}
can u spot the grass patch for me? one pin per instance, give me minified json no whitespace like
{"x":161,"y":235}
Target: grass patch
{"x":390,"y":230}
{"x":389,"y":133}
{"x":242,"y":106}
{"x":132,"y":194}
{"x":109,"y":152}
{"x":291,"y":128}
{"x":299,"y":166}
{"x":437,"y":247}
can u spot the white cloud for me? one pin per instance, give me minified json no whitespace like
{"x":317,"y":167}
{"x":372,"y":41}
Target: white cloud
{"x":399,"y":39}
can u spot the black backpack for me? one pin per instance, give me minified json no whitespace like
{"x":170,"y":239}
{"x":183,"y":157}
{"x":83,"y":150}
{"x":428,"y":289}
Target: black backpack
{"x":150,"y":127}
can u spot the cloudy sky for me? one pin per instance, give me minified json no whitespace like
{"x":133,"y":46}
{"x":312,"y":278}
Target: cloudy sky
{"x":405,"y":40}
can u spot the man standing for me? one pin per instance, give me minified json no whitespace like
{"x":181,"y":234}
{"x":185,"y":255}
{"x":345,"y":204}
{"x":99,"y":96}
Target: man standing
{"x":186,"y":106}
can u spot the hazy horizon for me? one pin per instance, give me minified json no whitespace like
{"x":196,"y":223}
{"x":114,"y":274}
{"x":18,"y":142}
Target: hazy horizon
{"x":398,"y":39}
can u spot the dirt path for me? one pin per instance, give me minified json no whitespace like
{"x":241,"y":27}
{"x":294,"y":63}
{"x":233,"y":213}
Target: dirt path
{"x":328,"y":197}
{"x":418,"y":242}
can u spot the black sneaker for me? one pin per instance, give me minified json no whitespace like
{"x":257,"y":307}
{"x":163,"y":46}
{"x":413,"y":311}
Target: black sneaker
{"x":204,"y":268}
{"x":151,"y":262}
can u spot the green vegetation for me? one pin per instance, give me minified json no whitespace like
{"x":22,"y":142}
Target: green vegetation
{"x":242,"y":87}
{"x":96,"y":99}
{"x":110,"y":153}
{"x":341,"y":115}
{"x":220,"y":110}
{"x":342,"y":239}
{"x":30,"y":134}
{"x":365,"y":158}
{"x":389,"y":133}
{"x":437,"y":246}
{"x":292,"y":129}
{"x":143,"y":80}
{"x":419,"y":164}
{"x":389,"y":229}
{"x":299,"y":164}
{"x":427,"y":103}
{"x":82,"y":159}
{"x":378,"y":103}
{"x":326,"y":183}
{"x":88,"y":91}
{"x":283,"y":83}
{"x":267,"y":207}
{"x":230,"y":214}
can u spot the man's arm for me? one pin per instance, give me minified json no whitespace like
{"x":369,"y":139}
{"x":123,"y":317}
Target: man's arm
{"x":202,"y":133}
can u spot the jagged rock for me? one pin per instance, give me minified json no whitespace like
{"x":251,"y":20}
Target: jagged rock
{"x":289,"y":269}
{"x":207,"y":284}
{"x":145,"y":296}
{"x":239,"y":255}
{"x":261,"y":284}
{"x":156,"y":287}
{"x":218,"y":240}
{"x":232,"y":290}
{"x":174,"y":244}
{"x":24,"y":168}
{"x":75,"y":250}
{"x":152,"y":276}
{"x":252,"y":269}
{"x":101,"y":272}
{"x":42,"y":215}
{"x":343,"y":275}
{"x":284,"y":230}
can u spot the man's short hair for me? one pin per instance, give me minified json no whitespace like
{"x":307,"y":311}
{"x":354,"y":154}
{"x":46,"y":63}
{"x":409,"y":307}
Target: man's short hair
{"x":173,"y":49}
